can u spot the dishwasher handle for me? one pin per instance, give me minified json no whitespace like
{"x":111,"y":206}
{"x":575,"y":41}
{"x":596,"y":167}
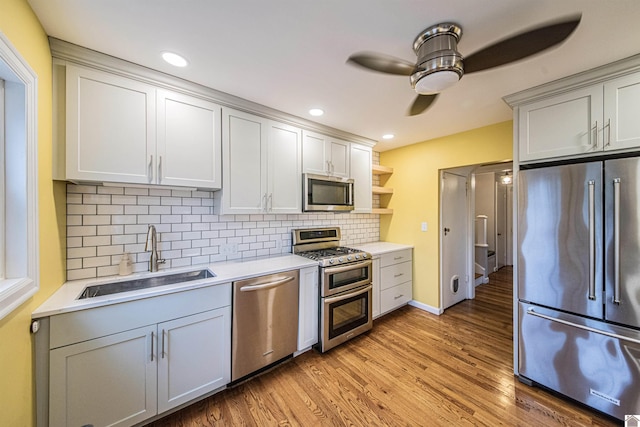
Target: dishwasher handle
{"x":268,"y":285}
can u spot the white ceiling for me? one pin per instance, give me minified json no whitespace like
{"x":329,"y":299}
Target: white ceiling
{"x":290,"y":54}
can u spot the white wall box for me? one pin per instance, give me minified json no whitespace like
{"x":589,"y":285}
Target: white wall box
{"x":308,"y":308}
{"x":118,"y":129}
{"x":325,"y":155}
{"x":124,"y":363}
{"x":584,"y":115}
{"x":262,"y":160}
{"x":361,"y":157}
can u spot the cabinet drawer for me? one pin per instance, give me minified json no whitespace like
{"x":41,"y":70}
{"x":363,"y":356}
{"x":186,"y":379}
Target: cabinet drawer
{"x":395,"y":257}
{"x":395,"y":274}
{"x":395,"y":297}
{"x":93,"y":323}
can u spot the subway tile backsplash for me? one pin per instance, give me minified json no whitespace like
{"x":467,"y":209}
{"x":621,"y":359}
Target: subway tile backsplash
{"x":104,"y":222}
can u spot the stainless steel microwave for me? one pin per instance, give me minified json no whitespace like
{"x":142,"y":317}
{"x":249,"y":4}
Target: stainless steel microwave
{"x":327,"y":193}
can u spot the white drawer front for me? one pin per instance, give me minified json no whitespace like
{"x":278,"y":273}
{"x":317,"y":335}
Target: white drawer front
{"x":395,"y":274}
{"x":395,"y":257}
{"x":395,"y":297}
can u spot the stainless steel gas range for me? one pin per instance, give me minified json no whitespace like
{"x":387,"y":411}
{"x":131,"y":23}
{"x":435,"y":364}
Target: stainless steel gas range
{"x":345,"y":284}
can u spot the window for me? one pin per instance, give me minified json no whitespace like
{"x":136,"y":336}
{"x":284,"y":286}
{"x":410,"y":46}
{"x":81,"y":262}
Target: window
{"x":18,"y":180}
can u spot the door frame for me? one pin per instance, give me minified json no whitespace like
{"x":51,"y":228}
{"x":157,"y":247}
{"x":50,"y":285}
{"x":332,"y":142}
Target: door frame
{"x":470,"y":172}
{"x":466,"y":172}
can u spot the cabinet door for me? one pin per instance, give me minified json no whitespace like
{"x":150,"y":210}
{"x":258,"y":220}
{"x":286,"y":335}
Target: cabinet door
{"x":308,"y":308}
{"x":338,"y":155}
{"x":284,"y":169}
{"x":563,"y":125}
{"x":193,"y":356}
{"x":361,"y":173}
{"x":375,"y":281}
{"x":244,"y":151}
{"x":314,"y":155}
{"x":189,"y":141}
{"x":110,"y":127}
{"x":105,"y":381}
{"x":621,"y":106}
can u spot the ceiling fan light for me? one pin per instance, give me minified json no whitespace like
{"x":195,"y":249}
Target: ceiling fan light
{"x":436,"y":82}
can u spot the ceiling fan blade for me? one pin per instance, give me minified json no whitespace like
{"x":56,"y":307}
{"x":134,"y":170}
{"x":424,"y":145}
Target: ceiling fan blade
{"x":382,"y":63}
{"x":421,"y":103}
{"x":520,"y":46}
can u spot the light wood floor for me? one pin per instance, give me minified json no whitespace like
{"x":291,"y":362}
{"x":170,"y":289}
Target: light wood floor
{"x":413,"y":369}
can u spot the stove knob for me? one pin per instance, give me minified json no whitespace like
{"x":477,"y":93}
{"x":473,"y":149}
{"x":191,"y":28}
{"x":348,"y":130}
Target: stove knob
{"x":331,"y":261}
{"x":349,"y":258}
{"x":357,"y":256}
{"x":340,"y":259}
{"x":364,"y":255}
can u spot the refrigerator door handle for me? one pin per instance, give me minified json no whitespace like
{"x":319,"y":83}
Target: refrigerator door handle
{"x":586,"y":328}
{"x":616,"y":241}
{"x":592,"y":240}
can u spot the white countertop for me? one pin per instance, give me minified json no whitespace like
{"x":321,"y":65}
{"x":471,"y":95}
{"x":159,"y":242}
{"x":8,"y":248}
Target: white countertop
{"x":379,"y":248}
{"x":64,"y":299}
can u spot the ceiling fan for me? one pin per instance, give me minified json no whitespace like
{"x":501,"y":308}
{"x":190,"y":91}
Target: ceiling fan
{"x":440,"y":65}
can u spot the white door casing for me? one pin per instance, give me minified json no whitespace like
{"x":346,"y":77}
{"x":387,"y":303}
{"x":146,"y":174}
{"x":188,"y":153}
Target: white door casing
{"x":454,"y":235}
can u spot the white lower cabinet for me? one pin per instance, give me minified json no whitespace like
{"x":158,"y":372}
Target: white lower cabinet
{"x":192,"y":357}
{"x":309,"y":297}
{"x":392,"y":284}
{"x":105,"y":369}
{"x":109,"y":381}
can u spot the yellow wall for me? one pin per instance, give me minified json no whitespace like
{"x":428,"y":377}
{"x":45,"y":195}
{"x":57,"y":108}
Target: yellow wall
{"x":415,"y":182}
{"x":17,"y":383}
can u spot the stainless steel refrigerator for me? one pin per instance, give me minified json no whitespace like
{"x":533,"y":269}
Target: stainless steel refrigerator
{"x":578,"y":282}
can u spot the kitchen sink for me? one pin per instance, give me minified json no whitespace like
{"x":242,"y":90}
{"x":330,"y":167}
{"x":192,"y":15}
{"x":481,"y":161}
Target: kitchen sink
{"x":143,"y":283}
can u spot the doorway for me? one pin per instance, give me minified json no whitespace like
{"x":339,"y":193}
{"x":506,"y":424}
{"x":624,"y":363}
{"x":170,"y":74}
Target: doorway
{"x":476,"y":216}
{"x":454,"y":238}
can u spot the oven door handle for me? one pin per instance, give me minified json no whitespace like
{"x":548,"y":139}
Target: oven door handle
{"x":351,"y":266}
{"x":267,"y":285}
{"x":339,"y":298}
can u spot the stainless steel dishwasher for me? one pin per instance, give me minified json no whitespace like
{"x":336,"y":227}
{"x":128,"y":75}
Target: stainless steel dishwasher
{"x":265,"y":321}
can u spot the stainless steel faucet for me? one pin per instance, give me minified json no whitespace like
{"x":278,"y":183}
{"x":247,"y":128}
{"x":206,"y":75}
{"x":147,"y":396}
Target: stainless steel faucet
{"x":154,"y":260}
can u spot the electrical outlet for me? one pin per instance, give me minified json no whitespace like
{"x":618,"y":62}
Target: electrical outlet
{"x":423,"y":227}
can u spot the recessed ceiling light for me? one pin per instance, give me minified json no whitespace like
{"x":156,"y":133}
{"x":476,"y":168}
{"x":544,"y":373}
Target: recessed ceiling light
{"x":174,"y":59}
{"x":388,"y":136}
{"x":316,"y":112}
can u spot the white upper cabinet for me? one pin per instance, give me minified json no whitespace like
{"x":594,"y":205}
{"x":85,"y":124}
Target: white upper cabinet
{"x":262,"y":159}
{"x":121,"y":130}
{"x":588,"y":114}
{"x":110,"y":127}
{"x":621,"y":110}
{"x":563,"y":125}
{"x":189,"y":139}
{"x":325,"y":155}
{"x":361,"y":159}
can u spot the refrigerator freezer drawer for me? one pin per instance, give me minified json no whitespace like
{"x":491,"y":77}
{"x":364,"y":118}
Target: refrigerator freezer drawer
{"x":593,"y":362}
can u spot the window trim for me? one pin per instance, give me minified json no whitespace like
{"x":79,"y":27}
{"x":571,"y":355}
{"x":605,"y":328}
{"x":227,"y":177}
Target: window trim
{"x":22,"y":275}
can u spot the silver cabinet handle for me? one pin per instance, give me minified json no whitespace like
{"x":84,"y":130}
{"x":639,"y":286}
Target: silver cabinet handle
{"x":586,"y":328}
{"x":270,"y":202}
{"x":592,"y":241}
{"x":151,"y":168}
{"x":263,"y":203}
{"x":162,"y":353}
{"x":152,"y":337}
{"x":159,"y":169}
{"x":616,"y":241}
{"x":608,"y":133}
{"x":267,"y":285}
{"x":595,"y":145}
{"x":397,"y":258}
{"x":348,"y":295}
{"x":398,"y":275}
{"x":398,"y":296}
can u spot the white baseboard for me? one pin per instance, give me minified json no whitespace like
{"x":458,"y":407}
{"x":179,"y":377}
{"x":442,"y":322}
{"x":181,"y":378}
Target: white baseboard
{"x":433,"y":310}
